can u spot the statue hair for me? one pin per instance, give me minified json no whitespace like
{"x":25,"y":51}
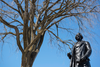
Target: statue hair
{"x":79,"y":34}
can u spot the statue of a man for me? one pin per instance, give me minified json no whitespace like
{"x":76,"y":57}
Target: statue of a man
{"x":80,"y":53}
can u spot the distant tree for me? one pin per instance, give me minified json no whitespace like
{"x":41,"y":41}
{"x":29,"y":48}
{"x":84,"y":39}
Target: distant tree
{"x":30,"y":19}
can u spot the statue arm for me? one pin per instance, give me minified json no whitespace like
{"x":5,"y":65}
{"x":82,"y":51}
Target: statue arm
{"x":88,"y":52}
{"x":70,"y":54}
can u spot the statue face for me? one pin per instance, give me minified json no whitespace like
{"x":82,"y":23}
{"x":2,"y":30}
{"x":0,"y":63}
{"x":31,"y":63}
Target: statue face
{"x":78,"y":37}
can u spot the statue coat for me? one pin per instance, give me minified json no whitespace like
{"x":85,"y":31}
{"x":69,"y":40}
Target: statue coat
{"x":85,"y":50}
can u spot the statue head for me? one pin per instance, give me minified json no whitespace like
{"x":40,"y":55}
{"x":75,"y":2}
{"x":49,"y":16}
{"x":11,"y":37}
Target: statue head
{"x":78,"y":37}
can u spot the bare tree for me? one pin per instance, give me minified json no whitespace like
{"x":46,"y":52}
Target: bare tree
{"x":30,"y":19}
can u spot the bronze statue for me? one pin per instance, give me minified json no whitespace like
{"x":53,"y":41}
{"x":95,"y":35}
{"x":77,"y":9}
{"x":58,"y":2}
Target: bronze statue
{"x":80,"y":53}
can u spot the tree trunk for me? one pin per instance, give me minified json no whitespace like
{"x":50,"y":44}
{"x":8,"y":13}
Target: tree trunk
{"x":28,"y":59}
{"x":29,"y":56}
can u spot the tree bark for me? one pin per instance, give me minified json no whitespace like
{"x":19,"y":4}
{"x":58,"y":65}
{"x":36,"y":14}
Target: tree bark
{"x":28,"y":58}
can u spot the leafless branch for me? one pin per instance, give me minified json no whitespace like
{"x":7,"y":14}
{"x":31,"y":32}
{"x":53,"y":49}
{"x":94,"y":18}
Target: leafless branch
{"x":17,"y":32}
{"x":20,"y":9}
{"x":9,"y":5}
{"x":9,"y":33}
{"x":59,"y":39}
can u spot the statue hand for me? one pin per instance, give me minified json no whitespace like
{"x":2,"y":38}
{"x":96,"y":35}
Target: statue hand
{"x":79,"y":60}
{"x":69,"y":55}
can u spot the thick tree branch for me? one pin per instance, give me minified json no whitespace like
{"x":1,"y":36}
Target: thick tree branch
{"x":41,"y":41}
{"x":17,"y":33}
{"x":25,"y":28}
{"x":35,"y":39}
{"x":32,"y":14}
{"x":5,"y":23}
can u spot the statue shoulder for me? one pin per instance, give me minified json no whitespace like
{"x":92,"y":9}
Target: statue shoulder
{"x":86,"y":42}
